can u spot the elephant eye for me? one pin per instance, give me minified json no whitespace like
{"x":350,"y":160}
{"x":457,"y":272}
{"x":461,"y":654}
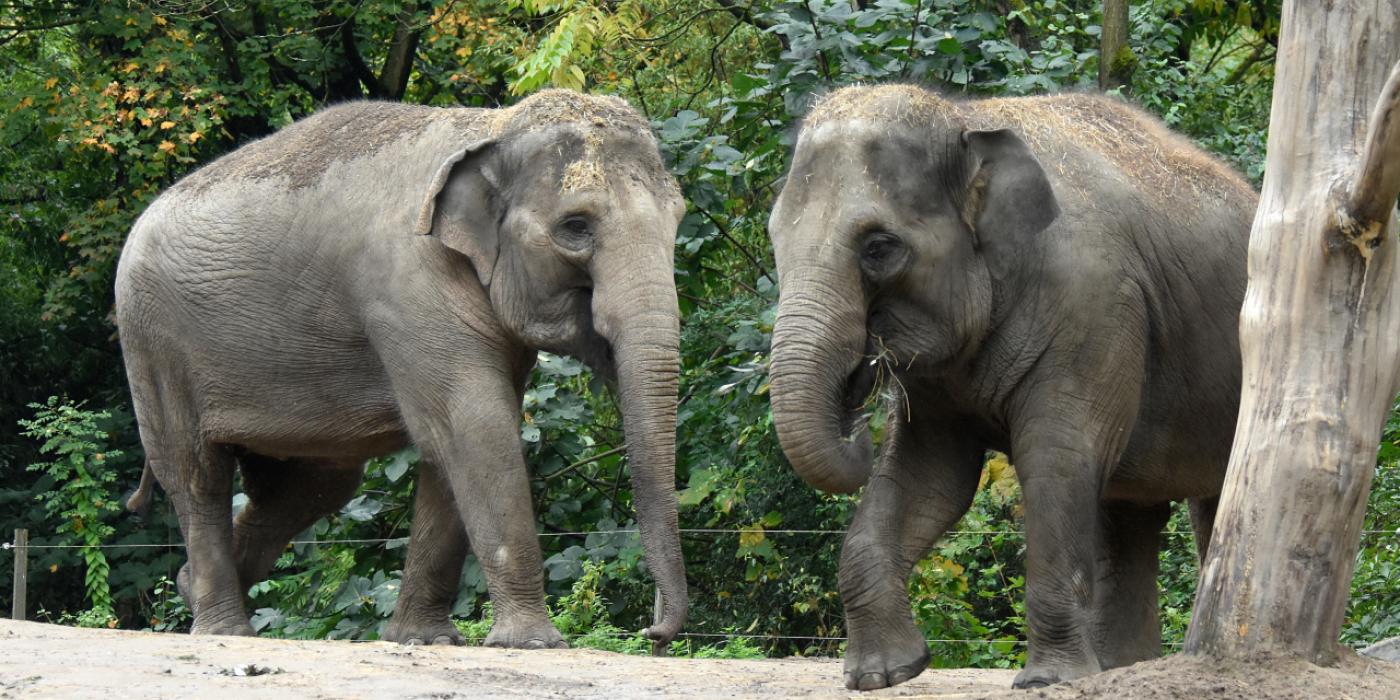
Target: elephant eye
{"x":880,"y":247}
{"x":880,"y":254}
{"x":574,"y":233}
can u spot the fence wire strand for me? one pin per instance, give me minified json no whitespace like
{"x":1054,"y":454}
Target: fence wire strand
{"x":584,"y":533}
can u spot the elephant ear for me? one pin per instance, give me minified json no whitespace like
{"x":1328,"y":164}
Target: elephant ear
{"x":1009,"y":195}
{"x":460,"y":207}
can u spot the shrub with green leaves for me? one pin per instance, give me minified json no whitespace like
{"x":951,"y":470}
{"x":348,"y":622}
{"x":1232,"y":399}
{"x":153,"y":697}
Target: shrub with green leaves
{"x":81,"y":499}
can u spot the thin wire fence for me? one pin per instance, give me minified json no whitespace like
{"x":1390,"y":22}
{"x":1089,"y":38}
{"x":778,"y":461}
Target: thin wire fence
{"x":584,"y":533}
{"x":702,"y":531}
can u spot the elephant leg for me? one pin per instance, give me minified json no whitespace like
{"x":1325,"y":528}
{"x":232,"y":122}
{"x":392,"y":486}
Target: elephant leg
{"x":473,"y":435}
{"x":1202,"y":523}
{"x":437,"y":548}
{"x":199,"y":481}
{"x":284,"y":498}
{"x":923,"y":484}
{"x":1060,"y":487}
{"x":1125,"y":594}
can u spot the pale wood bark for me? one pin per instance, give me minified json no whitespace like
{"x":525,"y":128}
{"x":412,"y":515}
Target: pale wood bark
{"x":1116,"y":60}
{"x":1318,"y":337}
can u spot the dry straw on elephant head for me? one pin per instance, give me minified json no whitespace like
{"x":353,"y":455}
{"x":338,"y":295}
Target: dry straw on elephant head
{"x":1052,"y":125}
{"x":598,"y":114}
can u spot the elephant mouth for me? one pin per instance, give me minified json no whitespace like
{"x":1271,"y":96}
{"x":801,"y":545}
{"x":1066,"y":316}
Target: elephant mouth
{"x":860,"y":384}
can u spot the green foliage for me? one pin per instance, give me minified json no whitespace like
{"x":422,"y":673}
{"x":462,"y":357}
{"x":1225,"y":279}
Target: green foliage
{"x":81,"y":499}
{"x":1373,"y":613}
{"x":970,"y":590}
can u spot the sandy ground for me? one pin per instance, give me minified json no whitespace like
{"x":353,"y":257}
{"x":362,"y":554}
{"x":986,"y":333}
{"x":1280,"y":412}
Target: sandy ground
{"x":49,"y":661}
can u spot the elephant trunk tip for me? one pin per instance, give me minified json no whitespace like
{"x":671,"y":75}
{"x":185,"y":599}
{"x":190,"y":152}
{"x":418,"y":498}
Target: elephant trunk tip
{"x":665,"y":629}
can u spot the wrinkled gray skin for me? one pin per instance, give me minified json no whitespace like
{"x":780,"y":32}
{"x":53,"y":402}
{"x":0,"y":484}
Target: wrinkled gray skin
{"x":1057,"y":278}
{"x":378,"y":275}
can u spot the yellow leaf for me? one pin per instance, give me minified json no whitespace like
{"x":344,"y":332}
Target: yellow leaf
{"x":131,"y":67}
{"x":48,"y":84}
{"x":167,"y":146}
{"x":24,"y":103}
{"x":167,"y":125}
{"x":53,"y":568}
{"x":160,"y":20}
{"x":195,"y":136}
{"x":146,"y":121}
{"x":750,"y":538}
{"x":949,"y":566}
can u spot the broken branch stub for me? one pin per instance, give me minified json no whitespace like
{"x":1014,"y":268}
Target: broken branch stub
{"x":1377,"y":181}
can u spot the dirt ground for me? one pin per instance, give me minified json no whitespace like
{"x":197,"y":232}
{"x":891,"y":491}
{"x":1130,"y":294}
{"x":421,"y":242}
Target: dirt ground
{"x":49,"y":661}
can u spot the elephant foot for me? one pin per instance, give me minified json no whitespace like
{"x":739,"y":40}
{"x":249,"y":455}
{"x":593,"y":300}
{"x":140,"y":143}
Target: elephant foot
{"x":232,"y":623}
{"x":422,"y":633}
{"x":881,"y":660}
{"x":1044,"y":675}
{"x":227,"y":628}
{"x":525,"y":635}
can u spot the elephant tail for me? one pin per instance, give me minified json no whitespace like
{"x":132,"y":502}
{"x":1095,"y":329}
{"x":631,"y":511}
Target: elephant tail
{"x":140,"y":500}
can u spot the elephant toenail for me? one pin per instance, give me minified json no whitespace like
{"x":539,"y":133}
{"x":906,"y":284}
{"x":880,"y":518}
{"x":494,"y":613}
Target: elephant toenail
{"x":901,"y":675}
{"x":443,"y":639}
{"x":873,"y":681}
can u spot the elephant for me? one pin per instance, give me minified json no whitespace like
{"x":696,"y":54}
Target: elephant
{"x":1058,"y":278}
{"x":378,"y":275}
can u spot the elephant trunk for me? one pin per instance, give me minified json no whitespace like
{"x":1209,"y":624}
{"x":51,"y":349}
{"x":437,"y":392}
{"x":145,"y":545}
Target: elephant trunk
{"x":819,"y":378}
{"x":635,"y":309}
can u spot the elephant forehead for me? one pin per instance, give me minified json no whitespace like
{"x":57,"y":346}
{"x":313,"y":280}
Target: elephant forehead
{"x":586,"y":172}
{"x":550,"y":108}
{"x":884,"y":104}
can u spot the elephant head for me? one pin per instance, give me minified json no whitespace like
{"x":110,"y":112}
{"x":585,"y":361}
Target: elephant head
{"x":569,"y":218}
{"x":891,"y":233}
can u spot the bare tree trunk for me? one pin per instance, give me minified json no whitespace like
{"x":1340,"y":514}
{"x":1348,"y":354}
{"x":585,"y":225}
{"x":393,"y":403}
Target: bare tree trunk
{"x":1318,"y":336}
{"x":1116,"y":59}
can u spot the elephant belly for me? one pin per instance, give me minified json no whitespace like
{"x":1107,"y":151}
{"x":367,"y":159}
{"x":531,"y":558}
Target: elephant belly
{"x":1172,"y":461}
{"x":333,"y":401}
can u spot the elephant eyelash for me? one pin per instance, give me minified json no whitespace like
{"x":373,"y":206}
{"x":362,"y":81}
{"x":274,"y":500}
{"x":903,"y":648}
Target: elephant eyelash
{"x":574,"y":234}
{"x":880,"y":246}
{"x":578,"y":226}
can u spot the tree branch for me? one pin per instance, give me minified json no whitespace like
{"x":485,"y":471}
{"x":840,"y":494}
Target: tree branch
{"x":1378,"y":177}
{"x":753,"y":260}
{"x":356,"y":61}
{"x":17,"y":28}
{"x":393,"y":77}
{"x":745,"y":14}
{"x":1254,"y":57}
{"x":586,"y":460}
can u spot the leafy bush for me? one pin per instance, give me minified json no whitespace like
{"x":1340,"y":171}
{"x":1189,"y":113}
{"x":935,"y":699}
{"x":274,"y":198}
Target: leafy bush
{"x":81,"y":498}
